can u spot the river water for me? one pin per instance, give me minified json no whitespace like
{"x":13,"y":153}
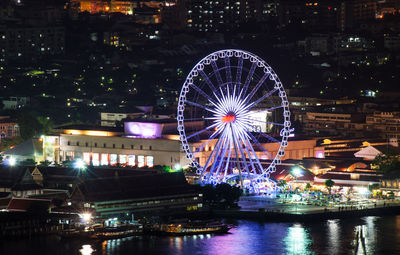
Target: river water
{"x":368,"y":235}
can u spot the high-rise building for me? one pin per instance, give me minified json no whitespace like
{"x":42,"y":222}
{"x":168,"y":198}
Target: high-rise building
{"x":28,"y":42}
{"x":217,"y":16}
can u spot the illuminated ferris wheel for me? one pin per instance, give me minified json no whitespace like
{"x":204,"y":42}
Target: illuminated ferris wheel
{"x":243,"y":105}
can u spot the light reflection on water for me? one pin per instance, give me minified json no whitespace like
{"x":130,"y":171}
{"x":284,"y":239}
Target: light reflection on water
{"x":298,"y":241}
{"x":368,"y":235}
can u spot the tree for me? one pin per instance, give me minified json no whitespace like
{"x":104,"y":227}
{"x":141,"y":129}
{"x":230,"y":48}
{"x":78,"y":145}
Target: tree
{"x":388,"y":163}
{"x":308,"y":186}
{"x":329,"y":184}
{"x":6,"y":143}
{"x":373,"y":187}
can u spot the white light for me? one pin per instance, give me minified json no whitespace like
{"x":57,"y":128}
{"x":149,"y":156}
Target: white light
{"x":12,"y":161}
{"x":79,"y":164}
{"x":86,"y":217}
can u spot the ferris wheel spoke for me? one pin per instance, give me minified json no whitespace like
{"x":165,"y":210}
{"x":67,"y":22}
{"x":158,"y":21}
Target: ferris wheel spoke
{"x":266,"y":122}
{"x":203,"y":145}
{"x":201,"y":131}
{"x":211,"y":156}
{"x":249,"y":77}
{"x":261,"y":98}
{"x":199,"y":105}
{"x":258,"y":160}
{"x":259,"y":145}
{"x":250,"y":158}
{"x":239,"y":71}
{"x":194,"y":119}
{"x":237,"y":140}
{"x":255,"y":89}
{"x":228,"y":70}
{"x":217,"y":156}
{"x":228,"y":158}
{"x":269,"y":109}
{"x":209,"y":83}
{"x":221,"y":160}
{"x":271,"y":138}
{"x":201,"y":92}
{"x":216,"y":71}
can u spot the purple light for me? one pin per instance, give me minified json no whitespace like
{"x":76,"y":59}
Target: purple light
{"x":143,"y":129}
{"x":320,"y":154}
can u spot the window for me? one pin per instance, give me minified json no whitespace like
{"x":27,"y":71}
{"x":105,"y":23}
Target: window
{"x":140,"y":161}
{"x":131,"y":160}
{"x":122,"y":146}
{"x":86,"y":157}
{"x":113,"y":159}
{"x":95,"y":144}
{"x":68,"y":143}
{"x":104,"y":145}
{"x":95,"y":159}
{"x":141,"y":147}
{"x":132,"y":147}
{"x":150,"y":147}
{"x":77,"y":143}
{"x":122,"y":159}
{"x":104,"y":159}
{"x":114,"y":145}
{"x":150,"y":161}
{"x":86,"y":144}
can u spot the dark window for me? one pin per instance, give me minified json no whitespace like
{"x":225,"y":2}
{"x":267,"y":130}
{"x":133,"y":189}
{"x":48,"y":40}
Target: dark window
{"x":77,"y":143}
{"x":122,"y":146}
{"x":114,"y":145}
{"x":149,"y":147}
{"x":95,"y":144}
{"x":86,"y":144}
{"x":104,"y":145}
{"x":132,"y":147}
{"x":69,"y":143}
{"x":141,"y":147}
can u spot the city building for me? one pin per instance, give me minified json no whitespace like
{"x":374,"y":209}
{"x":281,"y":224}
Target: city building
{"x":23,"y":42}
{"x":138,"y":144}
{"x":137,"y":196}
{"x":224,"y":15}
{"x":8,"y":128}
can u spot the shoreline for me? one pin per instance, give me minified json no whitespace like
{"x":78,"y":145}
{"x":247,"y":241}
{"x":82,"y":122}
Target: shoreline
{"x":270,"y":216}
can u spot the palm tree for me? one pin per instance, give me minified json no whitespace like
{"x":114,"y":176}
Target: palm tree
{"x":329,"y":184}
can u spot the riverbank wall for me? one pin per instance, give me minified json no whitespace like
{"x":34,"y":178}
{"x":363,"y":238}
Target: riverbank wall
{"x":273,"y":216}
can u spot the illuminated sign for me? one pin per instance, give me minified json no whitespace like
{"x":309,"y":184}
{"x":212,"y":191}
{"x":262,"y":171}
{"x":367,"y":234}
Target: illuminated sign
{"x":143,"y":129}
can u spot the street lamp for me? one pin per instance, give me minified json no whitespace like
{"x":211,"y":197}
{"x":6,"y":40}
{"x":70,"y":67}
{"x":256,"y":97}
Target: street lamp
{"x":79,"y":164}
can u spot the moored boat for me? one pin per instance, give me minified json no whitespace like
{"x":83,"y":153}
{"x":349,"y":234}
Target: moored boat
{"x":190,"y":229}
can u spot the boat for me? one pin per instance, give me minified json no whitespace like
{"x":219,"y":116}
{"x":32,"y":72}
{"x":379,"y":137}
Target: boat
{"x":190,"y":229}
{"x":107,"y":233}
{"x":103,"y":233}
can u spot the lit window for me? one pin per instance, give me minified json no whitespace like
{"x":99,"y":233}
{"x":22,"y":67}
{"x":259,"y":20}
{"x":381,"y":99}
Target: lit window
{"x":150,"y":161}
{"x":86,"y":157}
{"x":122,"y":159}
{"x":96,"y":160}
{"x":131,"y":160}
{"x":104,"y":159}
{"x":140,"y":161}
{"x":113,"y":159}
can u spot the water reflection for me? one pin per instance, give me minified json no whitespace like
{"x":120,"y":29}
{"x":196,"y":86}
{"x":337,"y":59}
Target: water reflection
{"x":367,"y":235}
{"x":298,"y":241}
{"x":334,"y":237}
{"x":86,"y":249}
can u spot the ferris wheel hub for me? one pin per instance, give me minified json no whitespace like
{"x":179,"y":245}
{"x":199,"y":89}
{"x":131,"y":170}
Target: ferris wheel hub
{"x":229,"y":118}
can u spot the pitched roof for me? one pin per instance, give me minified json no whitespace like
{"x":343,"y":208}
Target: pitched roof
{"x":134,"y":187}
{"x":28,"y":148}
